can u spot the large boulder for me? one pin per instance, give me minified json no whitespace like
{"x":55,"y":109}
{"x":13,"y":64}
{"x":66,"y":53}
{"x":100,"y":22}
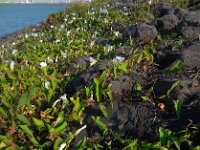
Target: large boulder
{"x":162,"y":9}
{"x":141,"y":32}
{"x":191,"y":25}
{"x":167,"y":22}
{"x":190,"y":56}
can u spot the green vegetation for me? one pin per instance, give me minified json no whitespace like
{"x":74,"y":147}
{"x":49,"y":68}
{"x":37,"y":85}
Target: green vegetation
{"x":35,"y":109}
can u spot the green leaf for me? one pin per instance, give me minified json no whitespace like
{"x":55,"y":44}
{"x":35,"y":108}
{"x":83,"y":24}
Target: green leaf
{"x":177,"y":143}
{"x":100,"y":124}
{"x":30,"y":135}
{"x":78,"y":108}
{"x":60,"y":118}
{"x":23,"y":119}
{"x":81,"y":144}
{"x":98,"y":88}
{"x":61,"y":128}
{"x":104,"y":111}
{"x":132,"y":146}
{"x":3,"y":112}
{"x":177,"y":105}
{"x":175,"y":84}
{"x":24,"y":100}
{"x":38,"y":123}
{"x":175,"y":67}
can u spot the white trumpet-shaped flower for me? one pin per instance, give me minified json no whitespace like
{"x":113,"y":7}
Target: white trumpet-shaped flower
{"x":79,"y":130}
{"x":64,"y":54}
{"x":92,"y":61}
{"x":43,"y":64}
{"x":62,"y":146}
{"x":118,"y":59}
{"x":46,"y":85}
{"x":14,"y":51}
{"x":12,"y":65}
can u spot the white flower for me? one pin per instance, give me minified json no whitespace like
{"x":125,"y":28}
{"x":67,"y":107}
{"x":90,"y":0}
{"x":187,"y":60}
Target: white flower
{"x":70,"y":22}
{"x":51,"y":26}
{"x":26,"y":35}
{"x":110,"y":48}
{"x":3,"y":46}
{"x":92,"y":43}
{"x":46,"y":85}
{"x":14,"y":51}
{"x":77,"y":29}
{"x":57,"y":41}
{"x":62,"y":26}
{"x":106,"y":20}
{"x":34,"y":34}
{"x":116,"y":33}
{"x":79,"y":130}
{"x":103,"y":11}
{"x":63,"y":97}
{"x":65,"y":19}
{"x":13,"y":43}
{"x":64,"y":54}
{"x":56,"y":59}
{"x":41,"y":41}
{"x":62,"y":146}
{"x":118,"y":59}
{"x":49,"y":60}
{"x":68,"y":33}
{"x":150,"y":2}
{"x":43,"y":64}
{"x":92,"y":61}
{"x":73,"y":18}
{"x":12,"y":65}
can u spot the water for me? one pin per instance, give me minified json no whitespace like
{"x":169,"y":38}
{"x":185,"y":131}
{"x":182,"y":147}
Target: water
{"x":14,"y":17}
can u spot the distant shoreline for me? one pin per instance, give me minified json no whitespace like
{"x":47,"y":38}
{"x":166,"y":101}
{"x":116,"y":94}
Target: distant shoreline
{"x":32,"y":3}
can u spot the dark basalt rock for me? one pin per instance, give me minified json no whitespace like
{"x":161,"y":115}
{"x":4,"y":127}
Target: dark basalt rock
{"x":190,"y":32}
{"x":121,"y":88}
{"x":116,"y":26}
{"x":162,"y":9}
{"x":191,"y":56}
{"x":167,"y":22}
{"x":189,"y":94}
{"x":192,"y":18}
{"x":141,"y":32}
{"x":191,"y":25}
{"x":124,"y":51}
{"x":102,"y":41}
{"x":79,"y":63}
{"x":137,"y":120}
{"x":165,"y":58}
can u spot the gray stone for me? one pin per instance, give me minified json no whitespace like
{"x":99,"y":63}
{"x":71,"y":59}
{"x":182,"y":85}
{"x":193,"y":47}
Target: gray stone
{"x":124,"y":51}
{"x":190,"y":32}
{"x":191,"y":56}
{"x":121,"y":88}
{"x":193,"y":18}
{"x":78,"y":64}
{"x":141,"y":32}
{"x":102,"y":41}
{"x":162,"y":9}
{"x":116,"y":26}
{"x":180,"y":13}
{"x":167,"y":22}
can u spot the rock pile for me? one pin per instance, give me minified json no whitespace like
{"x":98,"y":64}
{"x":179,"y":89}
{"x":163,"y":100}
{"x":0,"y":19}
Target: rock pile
{"x":129,"y":114}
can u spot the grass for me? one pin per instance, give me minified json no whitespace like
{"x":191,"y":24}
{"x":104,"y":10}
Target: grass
{"x":35,"y":109}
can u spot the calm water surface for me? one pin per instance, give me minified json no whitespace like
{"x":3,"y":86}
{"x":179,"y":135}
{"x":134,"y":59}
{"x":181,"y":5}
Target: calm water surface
{"x":15,"y":17}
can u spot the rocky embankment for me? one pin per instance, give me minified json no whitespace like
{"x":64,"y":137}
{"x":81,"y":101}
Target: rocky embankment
{"x":174,"y":76}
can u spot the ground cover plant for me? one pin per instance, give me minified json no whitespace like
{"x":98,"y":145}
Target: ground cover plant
{"x":90,"y":78}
